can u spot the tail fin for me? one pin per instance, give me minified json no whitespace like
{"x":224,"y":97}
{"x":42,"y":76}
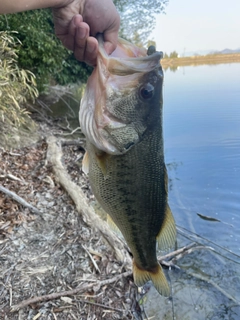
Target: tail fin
{"x":157,"y":277}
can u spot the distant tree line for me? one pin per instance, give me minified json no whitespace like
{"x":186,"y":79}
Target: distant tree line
{"x":172,"y":55}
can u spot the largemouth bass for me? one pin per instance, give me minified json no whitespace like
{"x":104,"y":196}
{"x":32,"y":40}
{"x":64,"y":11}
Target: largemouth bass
{"x":121,"y":117}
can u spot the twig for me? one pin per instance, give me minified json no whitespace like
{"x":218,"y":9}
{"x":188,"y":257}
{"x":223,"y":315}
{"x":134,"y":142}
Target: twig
{"x":101,"y":305}
{"x":77,"y":142}
{"x":20,"y":200}
{"x":72,"y":292}
{"x":72,"y":132}
{"x":183,"y":231}
{"x":176,"y":252}
{"x":12,"y":177}
{"x":93,"y":261}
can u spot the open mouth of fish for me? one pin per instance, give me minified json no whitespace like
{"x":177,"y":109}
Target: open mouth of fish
{"x":115,"y":77}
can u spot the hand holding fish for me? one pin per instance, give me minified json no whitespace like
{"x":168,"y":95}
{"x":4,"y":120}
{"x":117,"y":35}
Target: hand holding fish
{"x":76,"y":23}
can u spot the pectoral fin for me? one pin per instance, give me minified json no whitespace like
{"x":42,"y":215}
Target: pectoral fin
{"x":102,"y":161}
{"x":156,"y":276}
{"x":166,"y":237}
{"x":85,"y":163}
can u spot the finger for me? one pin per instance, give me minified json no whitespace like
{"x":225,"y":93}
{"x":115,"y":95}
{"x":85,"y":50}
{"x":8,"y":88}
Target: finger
{"x":91,"y":51}
{"x":111,"y":37}
{"x":69,"y":38}
{"x":80,"y":40}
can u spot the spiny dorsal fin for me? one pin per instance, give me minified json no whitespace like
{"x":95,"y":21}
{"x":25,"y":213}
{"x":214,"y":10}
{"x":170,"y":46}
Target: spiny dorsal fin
{"x":157,"y":277}
{"x":166,"y":237}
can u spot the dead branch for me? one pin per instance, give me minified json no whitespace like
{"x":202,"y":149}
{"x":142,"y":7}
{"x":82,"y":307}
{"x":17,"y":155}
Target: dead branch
{"x":20,"y":200}
{"x":101,"y":305}
{"x":56,"y":295}
{"x":54,"y":156}
{"x":208,"y":280}
{"x":176,"y":252}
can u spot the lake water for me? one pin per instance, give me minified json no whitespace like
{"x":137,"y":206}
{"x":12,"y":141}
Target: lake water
{"x":202,"y":141}
{"x":202,"y":153}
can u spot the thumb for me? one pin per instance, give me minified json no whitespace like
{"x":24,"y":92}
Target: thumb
{"x":110,"y":46}
{"x":111,"y":38}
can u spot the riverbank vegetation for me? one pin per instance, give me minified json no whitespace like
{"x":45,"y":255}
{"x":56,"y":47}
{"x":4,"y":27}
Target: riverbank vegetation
{"x":16,"y":84}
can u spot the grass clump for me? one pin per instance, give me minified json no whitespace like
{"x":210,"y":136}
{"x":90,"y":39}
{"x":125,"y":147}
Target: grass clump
{"x":16,"y":85}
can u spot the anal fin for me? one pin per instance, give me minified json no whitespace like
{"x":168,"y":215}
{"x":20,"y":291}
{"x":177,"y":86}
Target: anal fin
{"x":166,"y":237}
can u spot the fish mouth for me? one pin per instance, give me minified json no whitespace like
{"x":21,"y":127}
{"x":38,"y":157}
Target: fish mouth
{"x":128,"y":59}
{"x":119,"y":72}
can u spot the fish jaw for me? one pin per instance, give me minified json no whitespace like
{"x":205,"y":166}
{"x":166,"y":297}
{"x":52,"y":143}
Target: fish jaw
{"x":115,"y":77}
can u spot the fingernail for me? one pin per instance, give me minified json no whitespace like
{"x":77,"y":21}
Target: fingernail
{"x":109,"y":48}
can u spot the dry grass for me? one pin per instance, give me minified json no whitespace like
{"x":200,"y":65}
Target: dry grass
{"x":16,"y":84}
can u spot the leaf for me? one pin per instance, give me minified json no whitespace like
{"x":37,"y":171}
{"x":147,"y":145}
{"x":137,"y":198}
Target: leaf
{"x":208,"y":218}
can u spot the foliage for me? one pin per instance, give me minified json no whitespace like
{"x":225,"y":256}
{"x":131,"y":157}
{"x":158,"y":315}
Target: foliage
{"x":16,"y":84}
{"x":41,"y":51}
{"x":138,"y":17}
{"x":43,"y":54}
{"x":173,"y":55}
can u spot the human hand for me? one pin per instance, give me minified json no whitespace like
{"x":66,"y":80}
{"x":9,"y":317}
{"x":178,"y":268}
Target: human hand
{"x":78,"y":21}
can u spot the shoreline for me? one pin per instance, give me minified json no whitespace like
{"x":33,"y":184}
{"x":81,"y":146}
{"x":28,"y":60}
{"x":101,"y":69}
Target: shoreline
{"x":200,"y":60}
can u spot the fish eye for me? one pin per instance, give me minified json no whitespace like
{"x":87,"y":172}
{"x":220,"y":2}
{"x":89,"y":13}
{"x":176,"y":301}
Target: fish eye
{"x":147,"y":91}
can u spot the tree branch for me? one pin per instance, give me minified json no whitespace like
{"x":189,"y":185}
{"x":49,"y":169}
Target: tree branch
{"x":72,"y":292}
{"x":20,"y":200}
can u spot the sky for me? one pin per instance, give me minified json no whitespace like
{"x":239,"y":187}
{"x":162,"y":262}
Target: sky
{"x":198,"y":25}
